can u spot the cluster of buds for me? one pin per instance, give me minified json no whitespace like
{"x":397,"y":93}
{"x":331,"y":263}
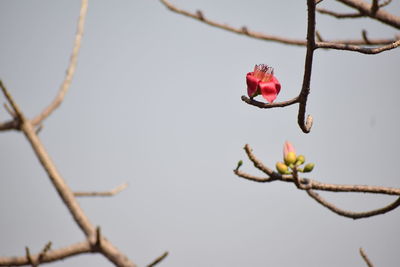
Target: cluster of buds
{"x":292,"y":161}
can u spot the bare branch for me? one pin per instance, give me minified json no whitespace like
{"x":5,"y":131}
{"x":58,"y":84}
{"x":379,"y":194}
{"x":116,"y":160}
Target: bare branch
{"x":70,"y":70}
{"x":304,"y":124}
{"x":112,"y":192}
{"x":259,"y":104}
{"x":340,"y":15}
{"x":49,"y":256}
{"x":258,"y":164}
{"x":366,"y":9}
{"x":257,"y":35}
{"x":252,"y":177}
{"x":66,"y":194}
{"x":360,"y":49}
{"x":365,"y":258}
{"x":242,"y":31}
{"x":309,"y":185}
{"x":352,"y":214}
{"x":158,"y":260}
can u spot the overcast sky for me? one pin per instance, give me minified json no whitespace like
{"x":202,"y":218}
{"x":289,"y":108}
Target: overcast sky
{"x":155,"y":102}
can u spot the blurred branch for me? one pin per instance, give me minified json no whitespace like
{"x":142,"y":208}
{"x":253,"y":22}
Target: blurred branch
{"x":373,"y":11}
{"x":112,"y":192}
{"x":95,"y":241}
{"x":352,"y":214}
{"x":365,"y":258}
{"x":158,"y":260}
{"x":106,"y":248}
{"x":339,"y":15}
{"x":70,"y":70}
{"x":12,"y":124}
{"x":48,"y":256}
{"x":309,"y":185}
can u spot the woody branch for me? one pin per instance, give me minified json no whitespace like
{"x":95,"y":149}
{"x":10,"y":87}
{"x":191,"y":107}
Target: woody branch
{"x":309,"y":186}
{"x":95,"y":242}
{"x":363,"y":46}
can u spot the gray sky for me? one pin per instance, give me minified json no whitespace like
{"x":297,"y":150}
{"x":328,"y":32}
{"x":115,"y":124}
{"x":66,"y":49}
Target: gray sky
{"x":156,"y":103}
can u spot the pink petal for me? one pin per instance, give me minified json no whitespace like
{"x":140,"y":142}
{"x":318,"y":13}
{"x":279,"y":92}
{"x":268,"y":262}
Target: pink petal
{"x":277,"y":84}
{"x":252,"y":84}
{"x":268,"y":91}
{"x":288,"y":147}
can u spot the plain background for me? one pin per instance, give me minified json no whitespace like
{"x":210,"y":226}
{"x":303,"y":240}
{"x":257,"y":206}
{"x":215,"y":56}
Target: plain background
{"x":155,"y":102}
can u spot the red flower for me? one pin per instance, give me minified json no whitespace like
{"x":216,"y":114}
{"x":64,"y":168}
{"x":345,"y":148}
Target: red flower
{"x":262,"y":81}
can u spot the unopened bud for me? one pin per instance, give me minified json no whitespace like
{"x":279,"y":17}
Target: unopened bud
{"x":282,"y":168}
{"x":309,"y":167}
{"x":240,"y":163}
{"x":300,"y":160}
{"x":290,"y":158}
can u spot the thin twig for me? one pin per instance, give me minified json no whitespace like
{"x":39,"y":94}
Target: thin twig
{"x":360,"y":49}
{"x":365,"y":258}
{"x":158,"y":259}
{"x":387,"y":2}
{"x":112,"y":192}
{"x":253,"y":177}
{"x":259,"y":104}
{"x":258,"y":164}
{"x":257,"y":35}
{"x":340,"y":15}
{"x":352,"y":214}
{"x":9,"y":110}
{"x":49,"y":256}
{"x":70,"y":70}
{"x":366,"y":9}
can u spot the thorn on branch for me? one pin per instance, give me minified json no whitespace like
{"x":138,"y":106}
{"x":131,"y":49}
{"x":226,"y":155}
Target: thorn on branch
{"x":385,"y":3}
{"x":319,"y":37}
{"x":46,"y":248}
{"x":200,"y":15}
{"x":98,"y":237}
{"x":39,"y":128}
{"x":159,"y":259}
{"x":29,"y":257}
{"x":365,"y":37}
{"x":9,"y":111}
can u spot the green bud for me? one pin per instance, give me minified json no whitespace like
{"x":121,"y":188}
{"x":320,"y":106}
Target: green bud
{"x":240,"y":163}
{"x":290,"y":158}
{"x":309,"y":167}
{"x":300,"y":160}
{"x":282,"y":167}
